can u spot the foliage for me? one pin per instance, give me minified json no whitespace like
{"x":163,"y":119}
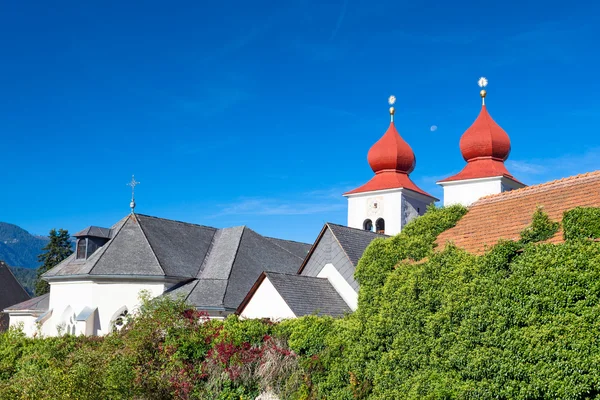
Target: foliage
{"x":57,"y":249}
{"x":518,"y":322}
{"x":541,"y":228}
{"x":581,"y":223}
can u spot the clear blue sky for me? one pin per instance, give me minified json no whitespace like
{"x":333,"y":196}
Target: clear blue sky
{"x":262,"y":113}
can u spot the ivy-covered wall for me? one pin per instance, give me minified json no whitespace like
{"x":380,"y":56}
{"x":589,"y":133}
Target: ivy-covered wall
{"x":519,"y":322}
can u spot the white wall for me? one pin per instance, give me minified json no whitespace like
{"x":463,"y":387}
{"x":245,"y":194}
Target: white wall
{"x":340,"y":285}
{"x":26,"y":322}
{"x":396,"y":206}
{"x":468,"y":191}
{"x":389,"y":207}
{"x":107,"y":297}
{"x":267,"y":303}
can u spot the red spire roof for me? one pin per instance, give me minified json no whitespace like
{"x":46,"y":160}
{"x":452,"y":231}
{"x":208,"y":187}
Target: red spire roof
{"x":484,"y":146}
{"x":392,"y":159}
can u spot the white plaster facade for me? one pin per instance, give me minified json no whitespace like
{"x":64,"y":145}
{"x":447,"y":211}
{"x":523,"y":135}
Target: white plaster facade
{"x":346,"y":292}
{"x":87,"y":307}
{"x":396,"y":207}
{"x":267,"y":303}
{"x":468,"y":191}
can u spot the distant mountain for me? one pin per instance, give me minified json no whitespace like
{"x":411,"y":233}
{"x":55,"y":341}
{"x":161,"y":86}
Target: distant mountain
{"x":26,"y":277}
{"x":19,"y":248}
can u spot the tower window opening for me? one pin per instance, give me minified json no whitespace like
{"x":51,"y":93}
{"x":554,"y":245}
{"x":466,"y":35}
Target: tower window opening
{"x":82,"y":248}
{"x":368,"y":225}
{"x":380,"y":226}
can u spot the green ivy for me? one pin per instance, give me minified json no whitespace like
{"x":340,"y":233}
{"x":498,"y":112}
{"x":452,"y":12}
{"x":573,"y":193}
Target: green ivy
{"x":521,"y":321}
{"x":541,"y":228}
{"x":581,"y":223}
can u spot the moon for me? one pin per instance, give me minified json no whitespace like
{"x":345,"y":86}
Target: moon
{"x":433,"y":128}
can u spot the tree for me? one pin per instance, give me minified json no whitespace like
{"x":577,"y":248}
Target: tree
{"x":57,"y":249}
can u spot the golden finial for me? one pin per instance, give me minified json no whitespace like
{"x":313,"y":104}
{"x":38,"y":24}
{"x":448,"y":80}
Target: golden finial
{"x":482,"y":83}
{"x":391,"y":102}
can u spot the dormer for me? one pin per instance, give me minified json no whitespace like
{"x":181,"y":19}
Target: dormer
{"x":89,"y":240}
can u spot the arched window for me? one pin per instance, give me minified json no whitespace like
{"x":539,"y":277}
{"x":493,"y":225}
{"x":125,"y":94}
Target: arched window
{"x":82,"y":248}
{"x":368,"y":225}
{"x":380,"y":226}
{"x":67,"y":322}
{"x":119,"y":318}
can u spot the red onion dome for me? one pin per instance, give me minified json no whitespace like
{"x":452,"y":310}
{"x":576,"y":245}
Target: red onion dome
{"x":485,"y":139}
{"x":391,"y":152}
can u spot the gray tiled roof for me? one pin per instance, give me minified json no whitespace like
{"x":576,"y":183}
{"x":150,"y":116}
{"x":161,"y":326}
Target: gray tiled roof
{"x":353,"y":241}
{"x":307,"y":295}
{"x":215,"y":267}
{"x":235,"y":260}
{"x":40,"y":303}
{"x":11,"y":292}
{"x":94,"y":231}
{"x":297,"y":248}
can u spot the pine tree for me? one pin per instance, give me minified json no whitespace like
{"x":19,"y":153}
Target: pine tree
{"x":57,"y":249}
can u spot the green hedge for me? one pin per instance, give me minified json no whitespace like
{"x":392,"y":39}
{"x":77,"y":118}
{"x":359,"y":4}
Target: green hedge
{"x":519,"y":322}
{"x":581,"y":223}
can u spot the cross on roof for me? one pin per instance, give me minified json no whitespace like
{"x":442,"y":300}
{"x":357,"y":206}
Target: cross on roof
{"x":133,"y":184}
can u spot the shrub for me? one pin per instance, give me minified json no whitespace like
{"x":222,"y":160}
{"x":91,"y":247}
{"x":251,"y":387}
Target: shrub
{"x":581,"y":223}
{"x":541,"y":228}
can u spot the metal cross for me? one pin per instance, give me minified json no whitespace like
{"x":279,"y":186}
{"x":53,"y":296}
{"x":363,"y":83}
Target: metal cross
{"x":133,"y":184}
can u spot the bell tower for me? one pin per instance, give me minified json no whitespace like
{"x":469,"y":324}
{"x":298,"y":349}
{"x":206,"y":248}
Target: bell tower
{"x":390,"y":200}
{"x":484,"y":146}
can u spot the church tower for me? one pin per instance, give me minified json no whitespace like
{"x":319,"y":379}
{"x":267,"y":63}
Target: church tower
{"x":484,"y":146}
{"x":390,"y":200}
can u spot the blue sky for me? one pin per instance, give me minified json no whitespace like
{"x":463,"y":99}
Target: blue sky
{"x":262,"y":113}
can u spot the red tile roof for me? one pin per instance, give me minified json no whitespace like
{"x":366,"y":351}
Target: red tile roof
{"x":389,"y":180}
{"x":392,"y":160}
{"x":505,"y":215}
{"x":484,"y":146}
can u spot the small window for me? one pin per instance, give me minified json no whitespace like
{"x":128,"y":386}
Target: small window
{"x":368,"y":225}
{"x":82,"y":248}
{"x":380,"y":226}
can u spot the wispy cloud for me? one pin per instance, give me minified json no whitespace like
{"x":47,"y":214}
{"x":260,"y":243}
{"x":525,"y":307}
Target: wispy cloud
{"x":318,"y":201}
{"x":340,"y":19}
{"x":545,"y":169}
{"x":525,"y":167}
{"x":268,"y":206}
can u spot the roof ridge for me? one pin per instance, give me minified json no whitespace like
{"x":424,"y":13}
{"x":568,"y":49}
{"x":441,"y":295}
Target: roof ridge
{"x":208,"y":251}
{"x":237,"y":250}
{"x":149,"y":244}
{"x":544,"y":185}
{"x":283,"y":240}
{"x":303,"y":276}
{"x":276,"y":244}
{"x":177,"y":221}
{"x":115,"y":228}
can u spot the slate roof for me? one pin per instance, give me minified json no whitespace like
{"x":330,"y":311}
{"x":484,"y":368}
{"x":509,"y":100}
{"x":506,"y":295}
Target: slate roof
{"x":11,"y":292}
{"x":94,"y":231}
{"x":39,"y":303}
{"x":505,"y":215}
{"x":235,"y":260}
{"x":352,"y":240}
{"x":305,"y":295}
{"x":215,"y":267}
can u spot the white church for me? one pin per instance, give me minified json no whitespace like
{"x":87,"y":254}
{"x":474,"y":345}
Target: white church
{"x":237,"y":270}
